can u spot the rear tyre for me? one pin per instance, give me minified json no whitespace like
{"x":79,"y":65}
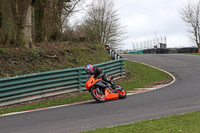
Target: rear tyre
{"x":122,"y":93}
{"x":98,"y":95}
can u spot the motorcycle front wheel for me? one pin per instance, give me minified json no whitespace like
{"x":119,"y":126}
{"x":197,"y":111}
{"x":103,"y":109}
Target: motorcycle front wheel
{"x":121,"y":92}
{"x":98,"y":95}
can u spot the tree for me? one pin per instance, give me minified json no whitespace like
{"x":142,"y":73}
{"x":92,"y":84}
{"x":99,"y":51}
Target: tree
{"x":22,"y":14}
{"x":102,"y":24}
{"x":68,"y":9}
{"x":23,"y":22}
{"x":8,"y":27}
{"x":190,"y":14}
{"x":50,"y":17}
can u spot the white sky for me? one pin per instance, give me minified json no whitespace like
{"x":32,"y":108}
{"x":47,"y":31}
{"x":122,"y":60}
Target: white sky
{"x":145,"y":19}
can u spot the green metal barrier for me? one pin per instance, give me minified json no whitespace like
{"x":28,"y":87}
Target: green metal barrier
{"x":135,"y":52}
{"x":38,"y":85}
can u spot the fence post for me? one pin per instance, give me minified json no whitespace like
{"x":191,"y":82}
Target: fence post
{"x":109,"y":51}
{"x":79,"y":79}
{"x":121,"y":61}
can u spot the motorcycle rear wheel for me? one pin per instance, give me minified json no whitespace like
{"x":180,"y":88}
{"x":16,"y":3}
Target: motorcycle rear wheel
{"x":98,"y":95}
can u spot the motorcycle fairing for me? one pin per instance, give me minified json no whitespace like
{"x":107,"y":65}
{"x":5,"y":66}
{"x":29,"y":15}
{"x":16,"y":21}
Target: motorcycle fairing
{"x":91,"y":82}
{"x":110,"y":95}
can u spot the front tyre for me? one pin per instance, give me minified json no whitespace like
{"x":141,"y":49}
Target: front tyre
{"x":122,"y":93}
{"x":98,"y":95}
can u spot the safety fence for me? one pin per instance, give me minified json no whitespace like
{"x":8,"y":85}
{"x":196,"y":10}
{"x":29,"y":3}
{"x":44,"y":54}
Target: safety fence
{"x":135,"y":52}
{"x":114,"y":55}
{"x":39,"y":85}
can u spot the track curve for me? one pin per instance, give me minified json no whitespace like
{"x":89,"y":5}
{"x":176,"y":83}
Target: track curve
{"x":180,"y":97}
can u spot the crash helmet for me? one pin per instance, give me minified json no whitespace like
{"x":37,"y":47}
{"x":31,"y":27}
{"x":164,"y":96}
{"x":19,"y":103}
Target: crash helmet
{"x":89,"y":69}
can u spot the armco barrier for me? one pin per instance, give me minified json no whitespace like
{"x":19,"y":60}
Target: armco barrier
{"x":34,"y":86}
{"x":114,"y":55}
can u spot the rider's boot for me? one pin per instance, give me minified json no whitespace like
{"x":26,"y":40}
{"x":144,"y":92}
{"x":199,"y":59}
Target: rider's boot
{"x":113,"y":86}
{"x":110,"y":80}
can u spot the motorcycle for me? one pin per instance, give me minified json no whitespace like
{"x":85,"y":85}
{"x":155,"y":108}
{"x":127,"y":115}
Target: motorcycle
{"x":102,"y":91}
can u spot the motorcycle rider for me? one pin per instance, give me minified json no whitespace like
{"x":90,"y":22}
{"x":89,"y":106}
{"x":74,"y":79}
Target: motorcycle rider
{"x":97,"y":72}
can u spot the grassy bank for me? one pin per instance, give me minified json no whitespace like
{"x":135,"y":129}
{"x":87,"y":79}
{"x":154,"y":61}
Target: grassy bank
{"x":184,"y":123}
{"x":47,"y":57}
{"x":137,"y":76}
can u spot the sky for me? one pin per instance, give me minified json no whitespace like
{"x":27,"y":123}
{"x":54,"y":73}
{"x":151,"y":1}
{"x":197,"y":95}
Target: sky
{"x":147,"y":19}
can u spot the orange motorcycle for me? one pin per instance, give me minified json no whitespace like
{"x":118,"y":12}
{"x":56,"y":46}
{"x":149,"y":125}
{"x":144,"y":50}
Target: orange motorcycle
{"x":102,"y":91}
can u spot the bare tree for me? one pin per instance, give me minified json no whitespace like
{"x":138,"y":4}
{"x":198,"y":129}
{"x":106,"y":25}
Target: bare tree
{"x":22,"y":13}
{"x":102,"y":23}
{"x":51,"y":16}
{"x":190,"y":14}
{"x":28,"y":21}
{"x":69,"y":8}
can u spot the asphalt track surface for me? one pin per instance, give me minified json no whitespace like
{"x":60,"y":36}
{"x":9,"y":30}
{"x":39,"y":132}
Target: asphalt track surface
{"x":180,"y":97}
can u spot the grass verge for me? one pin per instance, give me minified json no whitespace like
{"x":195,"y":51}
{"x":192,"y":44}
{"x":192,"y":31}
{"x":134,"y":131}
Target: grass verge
{"x":140,"y":76}
{"x":137,"y":76}
{"x":191,"y":53}
{"x":184,"y":123}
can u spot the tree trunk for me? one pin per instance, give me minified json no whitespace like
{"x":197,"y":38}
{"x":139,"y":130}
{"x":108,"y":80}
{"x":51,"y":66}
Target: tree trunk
{"x":24,"y":33}
{"x":45,"y":20}
{"x":43,"y":16}
{"x":8,"y":27}
{"x":22,"y":13}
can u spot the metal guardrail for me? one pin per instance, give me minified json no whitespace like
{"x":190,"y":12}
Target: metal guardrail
{"x":39,"y":85}
{"x":114,"y":55}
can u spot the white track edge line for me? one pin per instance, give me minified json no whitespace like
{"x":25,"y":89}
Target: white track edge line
{"x":174,"y":79}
